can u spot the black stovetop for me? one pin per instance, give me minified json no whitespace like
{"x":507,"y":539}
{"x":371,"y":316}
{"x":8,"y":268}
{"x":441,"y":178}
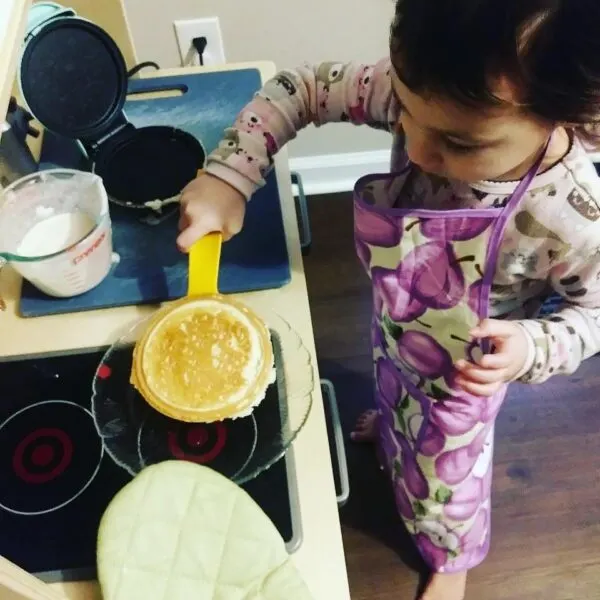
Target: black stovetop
{"x":56,"y":479}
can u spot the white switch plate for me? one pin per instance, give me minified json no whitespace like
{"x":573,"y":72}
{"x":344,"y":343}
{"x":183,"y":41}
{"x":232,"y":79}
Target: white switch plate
{"x":187,"y":30}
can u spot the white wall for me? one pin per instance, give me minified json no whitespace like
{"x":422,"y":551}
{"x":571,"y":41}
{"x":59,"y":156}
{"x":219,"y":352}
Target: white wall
{"x":282,"y":31}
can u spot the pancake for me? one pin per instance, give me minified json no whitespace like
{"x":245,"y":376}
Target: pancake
{"x":204,"y":359}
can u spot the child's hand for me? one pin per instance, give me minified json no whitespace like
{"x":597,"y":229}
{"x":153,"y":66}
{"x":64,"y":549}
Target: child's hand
{"x":209,"y":204}
{"x":488,"y":375}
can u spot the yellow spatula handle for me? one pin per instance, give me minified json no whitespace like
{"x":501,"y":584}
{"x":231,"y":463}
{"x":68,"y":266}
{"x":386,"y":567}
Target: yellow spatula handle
{"x":204,"y":259}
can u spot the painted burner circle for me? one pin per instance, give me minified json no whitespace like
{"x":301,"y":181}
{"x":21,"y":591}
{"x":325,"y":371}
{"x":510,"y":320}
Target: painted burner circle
{"x":225,"y":446}
{"x":49,"y":454}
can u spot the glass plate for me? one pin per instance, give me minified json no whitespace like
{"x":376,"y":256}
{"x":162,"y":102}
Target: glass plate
{"x":135,"y":435}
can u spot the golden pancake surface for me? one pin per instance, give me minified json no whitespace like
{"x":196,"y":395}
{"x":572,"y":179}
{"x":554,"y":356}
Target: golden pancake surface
{"x":204,"y":359}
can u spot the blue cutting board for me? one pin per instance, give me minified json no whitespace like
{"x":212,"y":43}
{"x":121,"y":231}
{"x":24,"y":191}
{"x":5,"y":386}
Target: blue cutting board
{"x":151,"y":269}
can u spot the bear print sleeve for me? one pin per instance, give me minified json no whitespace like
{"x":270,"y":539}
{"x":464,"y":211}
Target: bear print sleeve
{"x":324,"y":93}
{"x":561,"y":341}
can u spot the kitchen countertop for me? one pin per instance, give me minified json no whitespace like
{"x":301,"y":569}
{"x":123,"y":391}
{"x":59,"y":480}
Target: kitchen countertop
{"x":320,"y":558}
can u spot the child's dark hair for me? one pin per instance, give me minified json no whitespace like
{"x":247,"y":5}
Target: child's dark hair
{"x":549,"y":48}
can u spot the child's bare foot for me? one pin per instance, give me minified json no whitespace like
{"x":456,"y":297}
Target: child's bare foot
{"x":442,"y":586}
{"x":366,"y":427}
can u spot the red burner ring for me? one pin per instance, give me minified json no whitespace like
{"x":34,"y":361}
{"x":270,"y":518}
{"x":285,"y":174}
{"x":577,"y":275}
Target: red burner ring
{"x":197,"y":436}
{"x":42,"y":455}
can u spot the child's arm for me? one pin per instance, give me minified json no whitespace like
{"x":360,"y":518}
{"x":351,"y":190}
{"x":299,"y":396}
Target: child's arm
{"x":561,"y":341}
{"x":319,"y":94}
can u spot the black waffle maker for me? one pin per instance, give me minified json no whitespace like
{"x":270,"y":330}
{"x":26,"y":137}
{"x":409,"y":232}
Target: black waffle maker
{"x":74,"y":80}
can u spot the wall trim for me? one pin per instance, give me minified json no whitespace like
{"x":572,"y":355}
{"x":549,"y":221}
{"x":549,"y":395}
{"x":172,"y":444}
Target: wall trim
{"x":332,"y":173}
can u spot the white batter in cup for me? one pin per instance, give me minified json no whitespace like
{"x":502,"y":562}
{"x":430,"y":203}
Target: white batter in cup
{"x":55,"y":230}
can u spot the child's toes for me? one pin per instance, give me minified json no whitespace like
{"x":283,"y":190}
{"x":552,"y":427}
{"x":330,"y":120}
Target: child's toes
{"x":366,"y":427}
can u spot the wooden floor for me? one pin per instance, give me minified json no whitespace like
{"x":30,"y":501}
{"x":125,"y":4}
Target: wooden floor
{"x":546,"y":531}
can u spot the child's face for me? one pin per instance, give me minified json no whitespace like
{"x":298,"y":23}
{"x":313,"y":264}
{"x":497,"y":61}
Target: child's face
{"x":458,"y":142}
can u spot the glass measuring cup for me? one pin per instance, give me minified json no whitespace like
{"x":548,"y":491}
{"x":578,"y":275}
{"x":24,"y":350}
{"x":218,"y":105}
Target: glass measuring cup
{"x":55,"y":231}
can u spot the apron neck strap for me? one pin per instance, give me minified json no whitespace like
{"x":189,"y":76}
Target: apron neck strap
{"x":526,"y":182}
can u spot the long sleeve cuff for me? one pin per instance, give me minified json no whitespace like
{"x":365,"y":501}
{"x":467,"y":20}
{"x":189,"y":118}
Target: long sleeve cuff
{"x":530,"y":354}
{"x":234,"y":178}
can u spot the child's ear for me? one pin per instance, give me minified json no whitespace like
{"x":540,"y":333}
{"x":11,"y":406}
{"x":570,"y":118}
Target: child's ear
{"x":588,"y":134}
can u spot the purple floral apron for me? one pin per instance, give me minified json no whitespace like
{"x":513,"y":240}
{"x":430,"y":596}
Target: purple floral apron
{"x":432,"y":272}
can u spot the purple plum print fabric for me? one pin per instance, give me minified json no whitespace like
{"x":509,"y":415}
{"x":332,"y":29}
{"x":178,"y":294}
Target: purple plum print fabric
{"x":431,"y":279}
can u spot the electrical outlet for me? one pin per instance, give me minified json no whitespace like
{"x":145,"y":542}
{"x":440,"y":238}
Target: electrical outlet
{"x":186,"y":31}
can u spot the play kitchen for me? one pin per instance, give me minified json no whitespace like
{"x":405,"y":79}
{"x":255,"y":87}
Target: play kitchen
{"x":83,"y":412}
